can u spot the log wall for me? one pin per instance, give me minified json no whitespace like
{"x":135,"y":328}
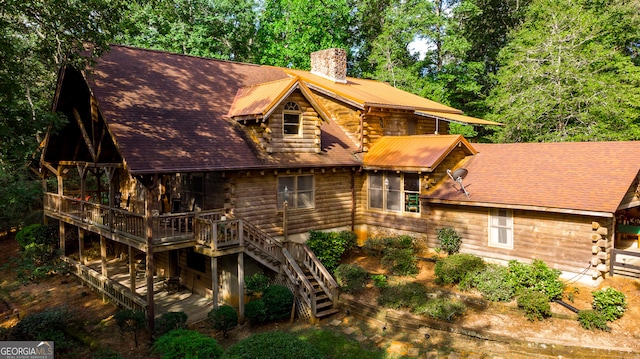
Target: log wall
{"x":632,"y":197}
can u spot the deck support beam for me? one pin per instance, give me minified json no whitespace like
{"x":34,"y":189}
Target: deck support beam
{"x":81,"y":246}
{"x":132,"y":271}
{"x":63,"y":238}
{"x":103,"y":255}
{"x":241,"y":287}
{"x":214,"y":282}
{"x":149,"y":234}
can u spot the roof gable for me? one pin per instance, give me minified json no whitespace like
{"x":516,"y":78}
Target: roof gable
{"x":420,"y":153}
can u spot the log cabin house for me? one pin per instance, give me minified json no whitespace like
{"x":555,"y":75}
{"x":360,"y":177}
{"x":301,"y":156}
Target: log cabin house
{"x":188,"y":174}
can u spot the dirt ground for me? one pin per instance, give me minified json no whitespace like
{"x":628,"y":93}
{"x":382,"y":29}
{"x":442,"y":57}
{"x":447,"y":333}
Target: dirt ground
{"x":96,"y":329}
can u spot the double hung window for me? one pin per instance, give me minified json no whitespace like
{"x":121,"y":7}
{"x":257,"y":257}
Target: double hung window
{"x":501,"y":228}
{"x":292,"y":120}
{"x":298,"y":191}
{"x":394,"y":192}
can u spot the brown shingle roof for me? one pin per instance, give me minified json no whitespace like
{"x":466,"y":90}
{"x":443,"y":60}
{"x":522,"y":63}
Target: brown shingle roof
{"x":585,"y":176}
{"x":421,"y":153}
{"x":167,"y":112}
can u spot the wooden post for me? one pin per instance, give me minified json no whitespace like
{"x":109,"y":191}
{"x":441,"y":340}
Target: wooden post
{"x":82,"y":171}
{"x":149,"y":249}
{"x":103,"y":255}
{"x":63,"y":238}
{"x":81,"y":246}
{"x":241,"y":287}
{"x":214,"y":281}
{"x":132,"y":271}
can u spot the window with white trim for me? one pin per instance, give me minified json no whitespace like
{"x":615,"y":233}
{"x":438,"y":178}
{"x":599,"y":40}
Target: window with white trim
{"x":394,"y":192}
{"x":291,"y":119}
{"x":501,"y":228}
{"x":300,"y":190}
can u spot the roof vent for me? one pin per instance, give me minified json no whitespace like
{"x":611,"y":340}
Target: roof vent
{"x":457,"y":176}
{"x":330,"y":64}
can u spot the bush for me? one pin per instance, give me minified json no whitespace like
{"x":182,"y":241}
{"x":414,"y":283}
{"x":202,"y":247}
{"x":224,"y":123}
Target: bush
{"x":592,"y":320}
{"x":407,"y":295}
{"x":130,"y":321}
{"x":380,"y":281}
{"x":256,"y":311}
{"x":536,"y":276}
{"x":494,"y":283}
{"x":610,"y":302}
{"x":535,"y":304}
{"x":48,"y":325}
{"x":187,"y":344}
{"x":278,"y":301}
{"x":449,"y":240}
{"x":351,"y":277}
{"x":272,"y":345}
{"x":443,"y":309}
{"x":456,"y":267}
{"x":223,"y":318}
{"x":170,"y":321}
{"x":39,"y":252}
{"x":400,"y":261}
{"x":376,"y":246}
{"x":329,"y":246}
{"x":256,"y":283}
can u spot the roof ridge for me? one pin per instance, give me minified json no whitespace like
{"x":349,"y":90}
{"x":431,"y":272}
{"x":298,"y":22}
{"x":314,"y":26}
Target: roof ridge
{"x":289,"y":79}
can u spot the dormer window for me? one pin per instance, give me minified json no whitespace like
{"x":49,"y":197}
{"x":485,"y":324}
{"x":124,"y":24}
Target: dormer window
{"x":292,"y":119}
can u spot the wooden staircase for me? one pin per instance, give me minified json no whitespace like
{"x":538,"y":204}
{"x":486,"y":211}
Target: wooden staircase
{"x":324,"y":305}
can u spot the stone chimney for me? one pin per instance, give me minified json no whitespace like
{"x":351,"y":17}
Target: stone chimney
{"x":330,"y":64}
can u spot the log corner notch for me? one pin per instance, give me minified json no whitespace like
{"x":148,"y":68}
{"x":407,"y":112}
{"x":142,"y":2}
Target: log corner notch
{"x":600,"y":250}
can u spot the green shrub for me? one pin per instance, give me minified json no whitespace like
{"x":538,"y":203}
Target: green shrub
{"x":494,"y":283}
{"x":170,"y":321}
{"x":536,"y":276}
{"x":256,"y":283}
{"x":610,"y":302}
{"x":334,"y":344}
{"x":406,"y":295}
{"x":443,"y":309}
{"x":47,"y":325}
{"x":400,"y":261}
{"x":223,"y":318}
{"x":187,"y":344}
{"x":376,"y":246}
{"x":592,"y":320}
{"x":36,"y":233}
{"x":255,"y":311}
{"x":278,"y":301}
{"x":380,"y":281}
{"x":39,"y":252}
{"x":456,"y":267}
{"x":133,"y":322}
{"x":534,"y":303}
{"x":351,"y":277}
{"x":449,"y":240}
{"x":272,"y":345}
{"x":330,"y":246}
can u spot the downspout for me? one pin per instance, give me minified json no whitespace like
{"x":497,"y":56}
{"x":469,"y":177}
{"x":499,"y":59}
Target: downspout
{"x":353,"y":200}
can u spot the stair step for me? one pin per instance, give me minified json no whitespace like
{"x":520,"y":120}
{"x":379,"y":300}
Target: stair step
{"x":326,"y":313}
{"x":321,"y":297}
{"x":324,"y":305}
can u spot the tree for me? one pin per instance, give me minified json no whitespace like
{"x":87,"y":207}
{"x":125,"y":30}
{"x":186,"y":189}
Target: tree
{"x":289,"y":30}
{"x":568,"y":74}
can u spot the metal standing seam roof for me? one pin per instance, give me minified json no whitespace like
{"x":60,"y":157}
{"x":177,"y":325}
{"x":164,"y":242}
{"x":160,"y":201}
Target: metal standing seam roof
{"x":583,"y":176}
{"x":458,"y":118}
{"x":423,"y":152}
{"x":258,"y":99}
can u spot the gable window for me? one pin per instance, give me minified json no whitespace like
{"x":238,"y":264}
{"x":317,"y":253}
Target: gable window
{"x":300,"y":190}
{"x":394,"y":192}
{"x":501,"y":228}
{"x":292,"y":119}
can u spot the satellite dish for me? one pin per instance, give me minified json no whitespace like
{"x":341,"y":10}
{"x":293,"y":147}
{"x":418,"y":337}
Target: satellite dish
{"x":457,"y":176}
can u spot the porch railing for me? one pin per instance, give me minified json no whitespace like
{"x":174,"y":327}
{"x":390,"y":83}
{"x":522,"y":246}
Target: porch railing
{"x":115,"y":291}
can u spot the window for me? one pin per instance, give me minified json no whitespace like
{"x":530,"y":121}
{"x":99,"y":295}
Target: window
{"x":501,"y":228}
{"x":291,"y":125}
{"x":300,"y":190}
{"x":394,"y":192}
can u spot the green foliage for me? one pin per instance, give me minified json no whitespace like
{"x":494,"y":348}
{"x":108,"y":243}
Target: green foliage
{"x":187,"y":344}
{"x":406,"y":295}
{"x":593,"y":320}
{"x":256,"y":311}
{"x":38,"y":243}
{"x":272,"y":345}
{"x":132,"y":322}
{"x":351,"y":277}
{"x":495,"y":284}
{"x":107,"y":353}
{"x":256,"y":283}
{"x":457,"y":267}
{"x":400,"y":261}
{"x":441,"y":308}
{"x":534,"y":303}
{"x":20,"y":192}
{"x":170,"y":321}
{"x":380,"y":281}
{"x":377,"y":246}
{"x":330,"y":246}
{"x":333,"y":344}
{"x":46,"y":325}
{"x":278,"y":301}
{"x":223,"y":318}
{"x":536,"y":276}
{"x":449,"y":240}
{"x":610,"y":302}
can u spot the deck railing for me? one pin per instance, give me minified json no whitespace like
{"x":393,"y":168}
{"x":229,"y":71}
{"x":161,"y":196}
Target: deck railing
{"x":297,"y":277}
{"x":115,"y":291}
{"x":303,"y":255}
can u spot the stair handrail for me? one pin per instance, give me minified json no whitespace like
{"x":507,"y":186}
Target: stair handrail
{"x":319,"y":272}
{"x":297,"y":277}
{"x":250,"y":228}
